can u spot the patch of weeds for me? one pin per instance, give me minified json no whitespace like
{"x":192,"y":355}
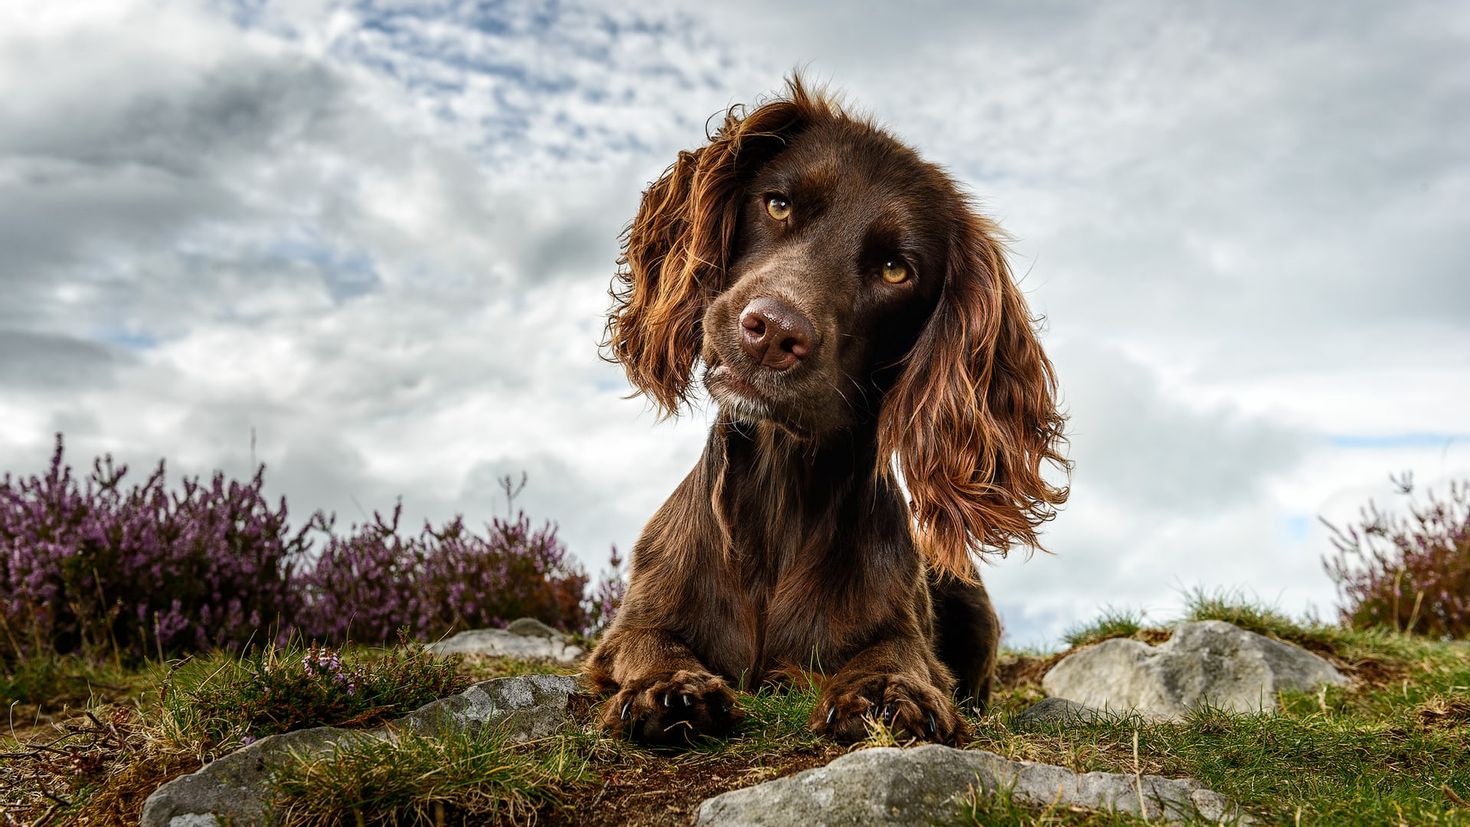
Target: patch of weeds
{"x":1000,"y":809}
{"x":49,"y":683}
{"x":1321,"y":767}
{"x":1114,"y":622}
{"x":94,"y":769}
{"x":1445,"y":712}
{"x":1234,"y":606}
{"x":478,"y":668}
{"x":457,"y":777}
{"x":223,"y":700}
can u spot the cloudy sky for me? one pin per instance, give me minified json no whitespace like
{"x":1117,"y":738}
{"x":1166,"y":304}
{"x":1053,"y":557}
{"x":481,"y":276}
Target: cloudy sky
{"x":378,"y":236}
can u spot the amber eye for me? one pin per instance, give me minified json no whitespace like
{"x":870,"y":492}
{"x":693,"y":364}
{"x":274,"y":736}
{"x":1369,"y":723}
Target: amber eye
{"x":778,"y":207}
{"x":895,"y":271}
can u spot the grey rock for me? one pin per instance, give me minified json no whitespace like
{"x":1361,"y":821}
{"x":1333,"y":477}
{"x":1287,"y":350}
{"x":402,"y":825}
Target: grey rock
{"x":503,"y":643}
{"x":531,"y":627}
{"x":232,"y":790}
{"x":931,"y":784}
{"x":1052,"y":712}
{"x":1205,"y":663}
{"x":533,"y":706}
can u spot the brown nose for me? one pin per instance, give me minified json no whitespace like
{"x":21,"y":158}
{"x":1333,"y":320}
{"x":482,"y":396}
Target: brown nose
{"x":775,"y":334}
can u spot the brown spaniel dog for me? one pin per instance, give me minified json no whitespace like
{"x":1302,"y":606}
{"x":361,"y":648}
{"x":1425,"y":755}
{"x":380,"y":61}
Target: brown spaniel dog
{"x":857,"y":325}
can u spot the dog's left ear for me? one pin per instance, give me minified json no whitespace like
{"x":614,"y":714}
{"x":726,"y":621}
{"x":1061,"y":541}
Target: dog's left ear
{"x":676,"y":251}
{"x":973,"y":416}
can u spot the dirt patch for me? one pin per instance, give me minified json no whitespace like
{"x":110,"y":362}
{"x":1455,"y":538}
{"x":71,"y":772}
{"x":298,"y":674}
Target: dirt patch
{"x":1153,"y":636}
{"x":1373,"y":673}
{"x":93,"y":769}
{"x":1018,"y":673}
{"x":660,"y":790}
{"x":640,"y":786}
{"x":120,"y":800}
{"x":1444,"y":713}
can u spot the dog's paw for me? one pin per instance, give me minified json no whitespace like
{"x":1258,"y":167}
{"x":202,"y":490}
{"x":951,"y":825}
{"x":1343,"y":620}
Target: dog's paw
{"x":673,"y":708}
{"x":908,"y":708}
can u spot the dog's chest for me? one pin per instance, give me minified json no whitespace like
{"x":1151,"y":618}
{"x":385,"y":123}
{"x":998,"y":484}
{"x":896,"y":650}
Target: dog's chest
{"x":797,"y":619}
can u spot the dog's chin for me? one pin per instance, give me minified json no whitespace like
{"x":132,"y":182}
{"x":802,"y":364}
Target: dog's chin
{"x":737,"y":398}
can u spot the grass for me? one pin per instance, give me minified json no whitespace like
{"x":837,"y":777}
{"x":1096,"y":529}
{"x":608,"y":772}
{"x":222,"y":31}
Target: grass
{"x":1393,"y":748}
{"x":999,"y":809}
{"x":1113,"y":622}
{"x":224,"y":700}
{"x":462,"y":777}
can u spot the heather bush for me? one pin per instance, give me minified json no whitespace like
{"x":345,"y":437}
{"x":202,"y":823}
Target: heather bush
{"x":97,"y":565}
{"x":1409,"y":570}
{"x":364,"y":586}
{"x":372,"y":582}
{"x":606,"y":596}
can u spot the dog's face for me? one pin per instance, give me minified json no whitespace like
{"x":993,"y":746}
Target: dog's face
{"x":839,"y":257}
{"x":826,"y":276}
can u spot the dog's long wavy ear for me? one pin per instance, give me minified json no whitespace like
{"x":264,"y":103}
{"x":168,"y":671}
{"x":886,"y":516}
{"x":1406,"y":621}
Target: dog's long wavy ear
{"x":973,"y":416}
{"x":676,"y":251}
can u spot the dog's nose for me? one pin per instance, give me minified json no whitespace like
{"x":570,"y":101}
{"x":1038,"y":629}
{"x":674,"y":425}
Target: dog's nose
{"x":775,"y":334}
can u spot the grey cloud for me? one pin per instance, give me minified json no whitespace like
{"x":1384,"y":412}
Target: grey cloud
{"x":32,"y":361}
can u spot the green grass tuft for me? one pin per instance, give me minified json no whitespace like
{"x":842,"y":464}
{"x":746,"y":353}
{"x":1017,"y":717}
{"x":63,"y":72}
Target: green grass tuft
{"x":1114,"y":622}
{"x":50,"y":682}
{"x":1235,"y":606}
{"x":457,"y":777}
{"x":227,"y":700}
{"x":1000,"y":809}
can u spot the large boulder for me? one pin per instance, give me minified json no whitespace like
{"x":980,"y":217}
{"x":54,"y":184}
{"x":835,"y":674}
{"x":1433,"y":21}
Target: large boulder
{"x":233,"y":790}
{"x":931,"y":785}
{"x":1205,"y":663}
{"x":527,"y":641}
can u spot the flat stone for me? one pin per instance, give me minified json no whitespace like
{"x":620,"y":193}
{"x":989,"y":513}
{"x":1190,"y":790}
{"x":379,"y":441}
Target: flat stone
{"x":233,"y":790}
{"x":532,"y":706}
{"x":1053,"y":712}
{"x":1206,"y":663}
{"x":931,"y":785}
{"x":503,"y":643}
{"x":531,"y":627}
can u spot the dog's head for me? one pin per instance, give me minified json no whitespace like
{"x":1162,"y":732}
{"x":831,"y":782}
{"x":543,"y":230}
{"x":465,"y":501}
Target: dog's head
{"x":828,"y":278}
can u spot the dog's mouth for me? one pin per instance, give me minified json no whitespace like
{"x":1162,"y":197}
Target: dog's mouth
{"x":737,"y":394}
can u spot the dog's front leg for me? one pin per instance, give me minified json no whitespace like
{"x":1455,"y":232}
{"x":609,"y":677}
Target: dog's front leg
{"x":895,"y":683}
{"x":662,"y":693}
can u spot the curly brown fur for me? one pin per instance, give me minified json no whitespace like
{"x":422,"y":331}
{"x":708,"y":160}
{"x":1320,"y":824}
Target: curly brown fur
{"x":857,"y":325}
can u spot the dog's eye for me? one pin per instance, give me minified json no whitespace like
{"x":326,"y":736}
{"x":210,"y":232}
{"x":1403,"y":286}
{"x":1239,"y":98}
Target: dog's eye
{"x":778,"y":207}
{"x":896,"y":272}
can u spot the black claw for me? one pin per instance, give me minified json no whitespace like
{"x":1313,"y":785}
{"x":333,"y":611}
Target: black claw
{"x":625,"y":710}
{"x":688,"y":701}
{"x":666,"y":699}
{"x":890,"y":711}
{"x":933,"y":726}
{"x":831,"y":713}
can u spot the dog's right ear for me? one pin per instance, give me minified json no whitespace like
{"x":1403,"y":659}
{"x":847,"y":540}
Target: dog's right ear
{"x":676,"y":251}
